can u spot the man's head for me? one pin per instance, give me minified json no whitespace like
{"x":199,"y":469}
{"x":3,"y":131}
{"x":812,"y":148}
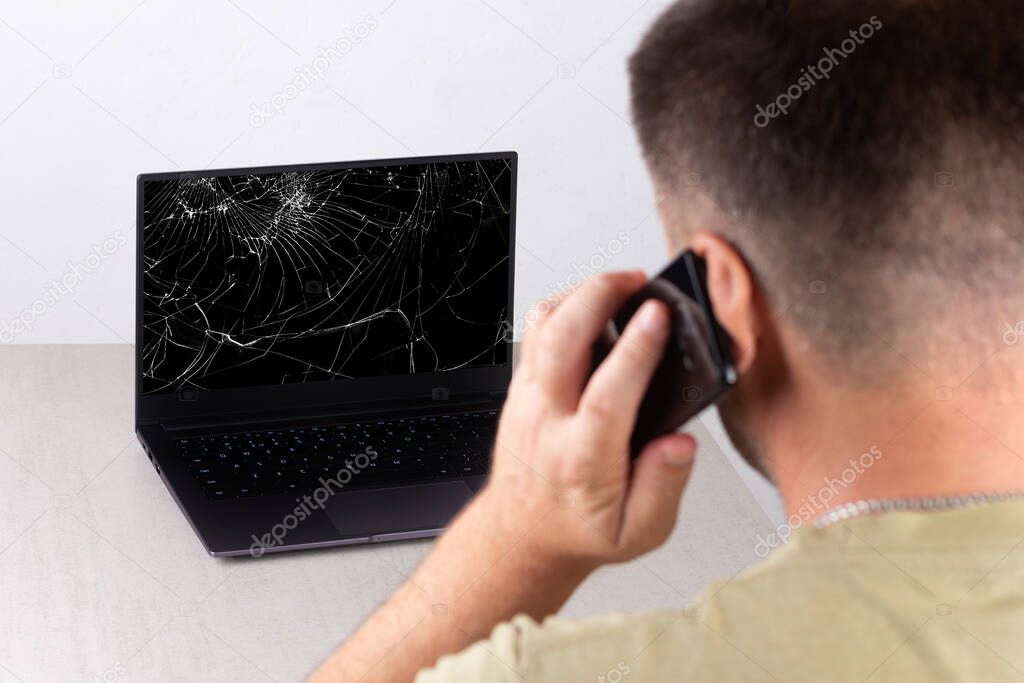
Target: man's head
{"x":866,"y":161}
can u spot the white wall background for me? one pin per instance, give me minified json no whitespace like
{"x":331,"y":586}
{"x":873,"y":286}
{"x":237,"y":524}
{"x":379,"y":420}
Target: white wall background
{"x":94,"y":93}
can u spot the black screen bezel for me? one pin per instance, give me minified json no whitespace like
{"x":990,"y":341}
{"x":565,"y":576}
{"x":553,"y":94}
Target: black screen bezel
{"x":299,"y":397}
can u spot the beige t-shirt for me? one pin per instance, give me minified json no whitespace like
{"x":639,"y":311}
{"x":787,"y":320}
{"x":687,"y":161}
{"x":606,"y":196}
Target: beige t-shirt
{"x":903,"y":596}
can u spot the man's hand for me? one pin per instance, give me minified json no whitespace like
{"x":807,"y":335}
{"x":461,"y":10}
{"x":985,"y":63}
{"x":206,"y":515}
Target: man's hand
{"x":561,"y":500}
{"x":561,"y":462}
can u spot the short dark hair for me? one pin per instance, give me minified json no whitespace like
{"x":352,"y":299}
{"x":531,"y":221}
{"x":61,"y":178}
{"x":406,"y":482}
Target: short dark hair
{"x":856,"y":147}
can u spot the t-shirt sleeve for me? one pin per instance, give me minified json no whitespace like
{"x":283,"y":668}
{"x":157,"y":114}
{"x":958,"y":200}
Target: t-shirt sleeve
{"x":560,"y":650}
{"x":498,"y":658}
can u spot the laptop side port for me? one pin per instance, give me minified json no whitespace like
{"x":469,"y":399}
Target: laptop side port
{"x":152,"y":460}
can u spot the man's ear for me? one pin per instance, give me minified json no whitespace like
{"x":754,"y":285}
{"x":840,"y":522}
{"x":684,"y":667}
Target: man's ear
{"x":732,"y":290}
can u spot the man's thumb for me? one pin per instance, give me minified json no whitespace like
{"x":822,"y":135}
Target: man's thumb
{"x":659,"y":476}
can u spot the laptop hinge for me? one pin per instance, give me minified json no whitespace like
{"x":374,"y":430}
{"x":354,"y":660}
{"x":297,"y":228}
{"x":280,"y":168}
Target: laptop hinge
{"x":311,"y":414}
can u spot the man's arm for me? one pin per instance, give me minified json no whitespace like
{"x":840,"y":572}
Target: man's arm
{"x":470,"y":582}
{"x":562,"y":498}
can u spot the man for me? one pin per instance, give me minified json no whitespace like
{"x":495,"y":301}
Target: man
{"x":852,"y":173}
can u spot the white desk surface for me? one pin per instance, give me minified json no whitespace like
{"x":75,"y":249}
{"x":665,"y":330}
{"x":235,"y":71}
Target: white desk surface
{"x":102,"y":579}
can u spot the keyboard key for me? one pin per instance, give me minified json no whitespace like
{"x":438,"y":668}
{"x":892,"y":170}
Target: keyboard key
{"x":408,"y":450}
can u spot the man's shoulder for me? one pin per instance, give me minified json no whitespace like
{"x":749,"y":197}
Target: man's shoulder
{"x":838,"y":605}
{"x":735,"y":628}
{"x":650,"y":646}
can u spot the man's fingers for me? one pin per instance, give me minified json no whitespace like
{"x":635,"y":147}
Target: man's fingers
{"x":561,"y":353}
{"x":543,"y":309}
{"x":660,"y":474}
{"x":535,"y":319}
{"x":612,"y":397}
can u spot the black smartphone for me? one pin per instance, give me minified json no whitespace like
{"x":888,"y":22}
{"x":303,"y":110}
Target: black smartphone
{"x":696,"y":369}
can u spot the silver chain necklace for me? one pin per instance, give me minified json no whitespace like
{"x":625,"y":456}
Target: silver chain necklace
{"x":860,"y":508}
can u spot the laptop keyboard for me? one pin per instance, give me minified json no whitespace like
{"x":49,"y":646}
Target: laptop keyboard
{"x":378,"y":453}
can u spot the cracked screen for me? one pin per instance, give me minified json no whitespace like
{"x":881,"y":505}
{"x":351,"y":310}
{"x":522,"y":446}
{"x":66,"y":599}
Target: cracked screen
{"x":279,"y":278}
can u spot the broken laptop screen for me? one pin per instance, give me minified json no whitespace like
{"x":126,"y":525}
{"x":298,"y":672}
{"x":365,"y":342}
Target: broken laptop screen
{"x":309,"y":276}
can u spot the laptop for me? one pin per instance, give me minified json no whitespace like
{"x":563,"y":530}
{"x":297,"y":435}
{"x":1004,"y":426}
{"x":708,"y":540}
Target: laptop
{"x":322,"y":350}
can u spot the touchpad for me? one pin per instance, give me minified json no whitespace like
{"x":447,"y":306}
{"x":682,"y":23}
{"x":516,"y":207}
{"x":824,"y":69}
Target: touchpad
{"x":394,"y":510}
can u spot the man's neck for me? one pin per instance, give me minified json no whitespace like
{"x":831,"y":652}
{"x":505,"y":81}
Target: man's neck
{"x":917,"y":442}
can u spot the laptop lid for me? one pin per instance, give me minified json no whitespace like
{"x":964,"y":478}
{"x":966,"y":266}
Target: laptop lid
{"x":337,"y":284}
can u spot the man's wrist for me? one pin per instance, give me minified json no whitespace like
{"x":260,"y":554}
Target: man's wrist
{"x":521,"y":540}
